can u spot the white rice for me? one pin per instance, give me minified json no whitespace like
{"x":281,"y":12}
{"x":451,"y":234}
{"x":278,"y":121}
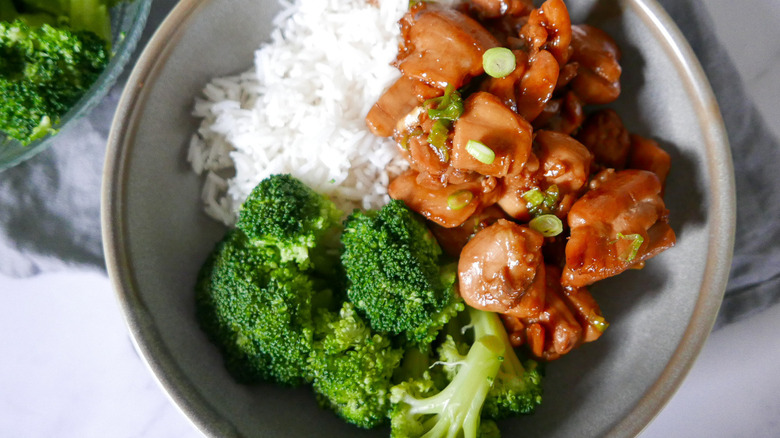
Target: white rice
{"x":301,"y":109}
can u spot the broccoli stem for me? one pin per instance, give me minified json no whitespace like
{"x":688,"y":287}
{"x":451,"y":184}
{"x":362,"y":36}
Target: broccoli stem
{"x":415,"y":363}
{"x":457,"y":408}
{"x":489,"y":324}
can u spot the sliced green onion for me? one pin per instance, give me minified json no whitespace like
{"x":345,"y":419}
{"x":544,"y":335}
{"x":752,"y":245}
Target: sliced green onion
{"x":551,"y":196}
{"x":438,"y":138}
{"x":547,"y":224}
{"x":482,"y":153}
{"x":459,"y":199}
{"x":539,"y":203}
{"x":598,"y":322}
{"x":443,"y":110}
{"x":447,"y":107}
{"x":499,"y":62}
{"x":533,"y":197}
{"x":405,"y":139}
{"x":633,"y":249}
{"x":404,"y":142}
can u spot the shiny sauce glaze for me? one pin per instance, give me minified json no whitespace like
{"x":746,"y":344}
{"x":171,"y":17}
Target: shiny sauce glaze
{"x":538,"y":195}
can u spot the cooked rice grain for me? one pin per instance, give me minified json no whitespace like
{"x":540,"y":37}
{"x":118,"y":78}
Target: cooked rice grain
{"x":301,"y":109}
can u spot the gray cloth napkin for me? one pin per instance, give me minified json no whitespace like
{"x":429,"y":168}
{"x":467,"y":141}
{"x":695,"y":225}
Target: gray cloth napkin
{"x":50,"y":213}
{"x":50,"y":204}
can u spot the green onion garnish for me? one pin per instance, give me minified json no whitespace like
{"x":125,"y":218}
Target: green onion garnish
{"x":636,"y":242}
{"x":438,"y":138}
{"x":498,"y":62}
{"x":447,"y":107}
{"x":404,"y":142}
{"x":482,"y":153}
{"x":539,"y":203}
{"x":405,"y":139}
{"x":551,"y":196}
{"x":459,"y":199}
{"x":547,"y":224}
{"x":443,"y":110}
{"x":599,"y":323}
{"x":533,"y":197}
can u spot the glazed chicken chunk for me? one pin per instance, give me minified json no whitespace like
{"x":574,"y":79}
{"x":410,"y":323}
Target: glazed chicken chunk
{"x":563,"y":163}
{"x":452,"y":240}
{"x":397,"y":102}
{"x":598,"y":56}
{"x":646,"y":154}
{"x":448,"y":205}
{"x":549,"y":27}
{"x":537,"y":195}
{"x":501,"y":269}
{"x":604,"y":134}
{"x":487,"y":120}
{"x":442,"y":46}
{"x":498,"y":8}
{"x":570,"y":317}
{"x":616,"y":226}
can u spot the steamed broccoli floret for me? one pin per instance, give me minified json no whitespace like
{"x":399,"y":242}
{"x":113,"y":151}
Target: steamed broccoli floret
{"x":456,"y":410}
{"x":44,"y":71}
{"x":78,"y":15}
{"x":258,"y":310}
{"x":283,"y":212}
{"x":352,"y":367}
{"x":517,"y":388}
{"x":258,"y":306}
{"x":484,"y":381}
{"x":396,"y":274}
{"x":51,"y":52}
{"x":414,"y":359}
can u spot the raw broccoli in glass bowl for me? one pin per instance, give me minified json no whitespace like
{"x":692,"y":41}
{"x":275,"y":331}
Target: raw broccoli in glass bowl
{"x":58,"y":60}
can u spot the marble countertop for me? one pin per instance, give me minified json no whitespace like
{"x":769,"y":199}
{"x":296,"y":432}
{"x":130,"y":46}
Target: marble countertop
{"x":70,"y":368}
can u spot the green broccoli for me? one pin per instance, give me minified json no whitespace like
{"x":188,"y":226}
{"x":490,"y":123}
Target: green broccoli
{"x":399,"y":349}
{"x":51,"y":52}
{"x":517,"y":388}
{"x":482,"y":376}
{"x":44,"y":71}
{"x":255,"y":303}
{"x":352,"y":367}
{"x":283,"y":212}
{"x":78,"y":15}
{"x":454,"y":411}
{"x":259,"y":311}
{"x":396,"y":274}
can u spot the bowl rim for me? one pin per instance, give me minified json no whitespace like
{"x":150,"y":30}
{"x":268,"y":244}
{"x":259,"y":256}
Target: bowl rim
{"x":722,"y":213}
{"x":204,"y":416}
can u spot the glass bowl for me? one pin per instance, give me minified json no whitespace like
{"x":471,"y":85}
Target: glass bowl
{"x":127,"y":23}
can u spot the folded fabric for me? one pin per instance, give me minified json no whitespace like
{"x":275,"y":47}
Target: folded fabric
{"x":50,"y":205}
{"x":754,"y":281}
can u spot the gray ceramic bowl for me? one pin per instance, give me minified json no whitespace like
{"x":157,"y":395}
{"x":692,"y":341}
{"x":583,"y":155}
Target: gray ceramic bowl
{"x":156,"y":236}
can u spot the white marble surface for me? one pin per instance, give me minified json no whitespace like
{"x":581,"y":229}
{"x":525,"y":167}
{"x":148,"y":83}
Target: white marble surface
{"x":69,"y":368}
